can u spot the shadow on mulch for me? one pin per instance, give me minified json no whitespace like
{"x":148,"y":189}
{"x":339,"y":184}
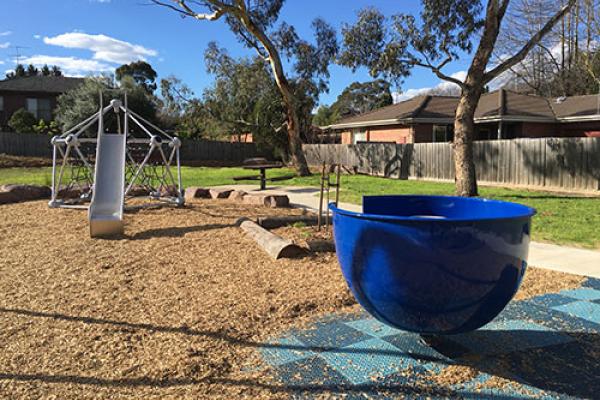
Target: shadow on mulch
{"x":176,"y":231}
{"x":570,"y":368}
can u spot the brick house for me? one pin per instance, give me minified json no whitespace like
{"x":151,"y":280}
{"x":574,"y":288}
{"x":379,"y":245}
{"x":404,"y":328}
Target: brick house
{"x":36,"y":94}
{"x":501,"y":114}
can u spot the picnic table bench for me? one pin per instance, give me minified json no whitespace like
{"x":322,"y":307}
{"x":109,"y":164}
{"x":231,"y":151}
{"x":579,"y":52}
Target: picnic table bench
{"x":262,"y":165}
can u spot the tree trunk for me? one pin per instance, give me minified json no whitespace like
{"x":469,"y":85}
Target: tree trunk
{"x":293,"y":122}
{"x":464,"y":131}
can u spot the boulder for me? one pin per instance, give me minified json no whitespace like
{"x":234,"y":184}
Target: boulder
{"x":237,"y":195}
{"x":220,"y":193}
{"x":268,"y":200}
{"x":170,"y":190}
{"x":196,"y":193}
{"x":138,"y":191}
{"x":66,"y":192}
{"x":26,"y":192}
{"x":8,"y":198}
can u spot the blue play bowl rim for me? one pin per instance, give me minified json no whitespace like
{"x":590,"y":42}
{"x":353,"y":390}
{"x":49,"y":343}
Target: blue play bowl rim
{"x":392,"y":261}
{"x":526,"y":210}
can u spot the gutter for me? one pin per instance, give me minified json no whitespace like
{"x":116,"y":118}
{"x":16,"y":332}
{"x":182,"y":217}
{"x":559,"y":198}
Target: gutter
{"x":481,"y":120}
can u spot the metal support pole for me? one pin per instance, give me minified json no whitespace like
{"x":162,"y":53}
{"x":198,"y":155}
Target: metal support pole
{"x":319,"y":217}
{"x":337,"y":185}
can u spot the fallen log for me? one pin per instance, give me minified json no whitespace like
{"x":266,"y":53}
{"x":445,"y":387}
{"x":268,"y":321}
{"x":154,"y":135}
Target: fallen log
{"x":272,"y":222}
{"x":276,"y":246}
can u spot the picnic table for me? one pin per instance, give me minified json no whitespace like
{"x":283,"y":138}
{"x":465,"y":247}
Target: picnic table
{"x":262,"y":165}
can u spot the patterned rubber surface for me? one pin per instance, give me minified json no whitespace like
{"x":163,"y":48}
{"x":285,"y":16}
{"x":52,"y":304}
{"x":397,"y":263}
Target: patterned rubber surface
{"x":544,"y":347}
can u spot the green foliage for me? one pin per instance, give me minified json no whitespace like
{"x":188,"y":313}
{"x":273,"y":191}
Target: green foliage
{"x":20,"y":71}
{"x":243,"y":99}
{"x":391,"y":47}
{"x":324,"y":116}
{"x":47,"y":128}
{"x":142,"y":73}
{"x":22,"y":121}
{"x":77,"y":104}
{"x":356,"y":99}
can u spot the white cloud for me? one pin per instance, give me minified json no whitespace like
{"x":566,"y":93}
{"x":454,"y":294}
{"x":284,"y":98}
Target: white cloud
{"x":441,"y":87}
{"x":105,"y":48}
{"x":1,"y":62}
{"x":37,"y":36}
{"x":70,"y":65}
{"x":4,"y":45}
{"x":6,"y":33}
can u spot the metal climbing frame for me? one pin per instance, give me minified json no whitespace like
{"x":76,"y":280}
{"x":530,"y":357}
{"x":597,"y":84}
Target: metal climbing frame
{"x":153,"y":168}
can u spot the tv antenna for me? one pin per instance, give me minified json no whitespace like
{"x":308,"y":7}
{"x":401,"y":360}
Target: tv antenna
{"x":18,"y":54}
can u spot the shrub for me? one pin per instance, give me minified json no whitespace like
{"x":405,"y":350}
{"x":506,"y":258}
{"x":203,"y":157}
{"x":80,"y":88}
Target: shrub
{"x":47,"y":128}
{"x":22,"y":121}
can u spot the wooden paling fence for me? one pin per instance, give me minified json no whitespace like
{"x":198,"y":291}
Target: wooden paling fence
{"x":565,"y":163}
{"x":37,"y":145}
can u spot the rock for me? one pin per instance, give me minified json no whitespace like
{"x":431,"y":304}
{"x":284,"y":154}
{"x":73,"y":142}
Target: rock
{"x":269,"y":200}
{"x":220,"y":193}
{"x":277,"y":201}
{"x":195,"y":192}
{"x":26,"y":192}
{"x":139,"y":191}
{"x":8,"y":197}
{"x":70,"y":192}
{"x":237,"y":195}
{"x":170,"y":190}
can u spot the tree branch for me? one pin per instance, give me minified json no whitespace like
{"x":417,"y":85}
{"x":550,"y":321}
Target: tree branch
{"x":440,"y":74}
{"x":521,"y":54}
{"x":185,"y":10}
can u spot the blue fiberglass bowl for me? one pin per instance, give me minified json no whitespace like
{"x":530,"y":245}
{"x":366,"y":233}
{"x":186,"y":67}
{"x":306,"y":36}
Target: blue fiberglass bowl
{"x":433,"y":264}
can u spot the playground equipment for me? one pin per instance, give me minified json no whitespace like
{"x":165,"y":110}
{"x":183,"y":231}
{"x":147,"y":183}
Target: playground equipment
{"x":108,"y":168}
{"x":433,"y":264}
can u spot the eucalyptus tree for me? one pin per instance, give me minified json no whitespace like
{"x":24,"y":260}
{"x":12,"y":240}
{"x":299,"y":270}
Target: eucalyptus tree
{"x":443,"y":30}
{"x":253,"y":23}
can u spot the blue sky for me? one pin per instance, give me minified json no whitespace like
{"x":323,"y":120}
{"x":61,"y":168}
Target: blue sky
{"x":89,"y":36}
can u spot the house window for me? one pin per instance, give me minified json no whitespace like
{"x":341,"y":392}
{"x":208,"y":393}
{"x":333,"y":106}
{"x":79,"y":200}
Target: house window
{"x":1,"y":103}
{"x":442,"y":133}
{"x":358,"y":136}
{"x":40,"y":108}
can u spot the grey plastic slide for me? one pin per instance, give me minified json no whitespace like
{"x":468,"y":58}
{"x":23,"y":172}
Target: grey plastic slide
{"x":106,"y":209}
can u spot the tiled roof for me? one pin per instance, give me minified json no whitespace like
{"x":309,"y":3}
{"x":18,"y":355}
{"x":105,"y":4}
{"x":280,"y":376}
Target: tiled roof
{"x":494,"y":105}
{"x":47,"y":84}
{"x":576,"y":106}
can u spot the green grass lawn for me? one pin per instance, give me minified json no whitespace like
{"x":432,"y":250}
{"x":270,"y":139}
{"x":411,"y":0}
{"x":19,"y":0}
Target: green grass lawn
{"x":562,"y":219}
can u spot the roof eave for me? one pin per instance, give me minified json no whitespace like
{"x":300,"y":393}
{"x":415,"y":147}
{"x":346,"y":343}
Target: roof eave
{"x":579,"y":118}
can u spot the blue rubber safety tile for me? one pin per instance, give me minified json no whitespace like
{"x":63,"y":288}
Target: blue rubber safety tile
{"x":548,"y":317}
{"x":311,"y":374}
{"x":584,"y":293}
{"x":550,"y":300}
{"x":415,"y":346}
{"x":500,"y":337}
{"x":373,"y":327}
{"x":284,"y":350}
{"x":334,"y":334}
{"x":587,"y":310}
{"x":368,"y":361}
{"x":592,"y":283}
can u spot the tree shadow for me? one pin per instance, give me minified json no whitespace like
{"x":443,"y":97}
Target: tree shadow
{"x":176,"y":231}
{"x":563,"y":362}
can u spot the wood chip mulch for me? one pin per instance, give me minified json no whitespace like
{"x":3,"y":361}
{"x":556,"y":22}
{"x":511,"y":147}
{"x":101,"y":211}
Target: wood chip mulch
{"x":175,"y":309}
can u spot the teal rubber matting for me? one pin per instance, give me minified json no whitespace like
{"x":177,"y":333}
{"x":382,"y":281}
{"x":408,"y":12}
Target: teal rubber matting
{"x":544,"y":347}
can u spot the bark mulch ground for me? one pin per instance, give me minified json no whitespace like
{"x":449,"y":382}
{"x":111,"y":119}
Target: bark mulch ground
{"x":175,"y":309}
